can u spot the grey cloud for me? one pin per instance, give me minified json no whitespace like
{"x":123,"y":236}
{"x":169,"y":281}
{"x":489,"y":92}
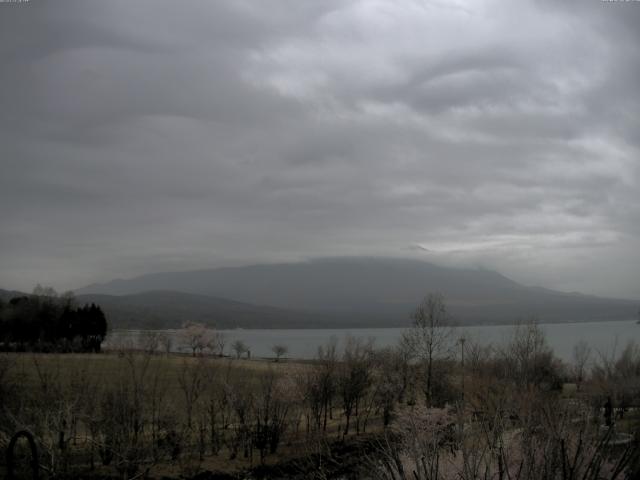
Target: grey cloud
{"x":144,"y":136}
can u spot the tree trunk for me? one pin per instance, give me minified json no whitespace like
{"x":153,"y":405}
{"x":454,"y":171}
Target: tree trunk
{"x":429,"y":364}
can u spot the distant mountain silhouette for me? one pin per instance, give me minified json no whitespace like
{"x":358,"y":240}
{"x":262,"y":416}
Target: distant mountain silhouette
{"x":360,"y":291}
{"x":169,"y":309}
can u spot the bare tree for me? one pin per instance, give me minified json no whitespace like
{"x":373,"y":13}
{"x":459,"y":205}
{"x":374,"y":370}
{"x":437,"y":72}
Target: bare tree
{"x":217,"y":343}
{"x":166,"y":342}
{"x":621,"y":379}
{"x":191,"y":378}
{"x":413,"y":449}
{"x":270,"y":413}
{"x":119,"y":425}
{"x":354,"y":378}
{"x":581,"y":356}
{"x":528,"y":359}
{"x":149,"y":341}
{"x":241,"y":398}
{"x":431,"y":335}
{"x":326,"y":370}
{"x":279,"y":351}
{"x":403,"y":359}
{"x":239,"y":347}
{"x":308,"y":383}
{"x":388,"y":381}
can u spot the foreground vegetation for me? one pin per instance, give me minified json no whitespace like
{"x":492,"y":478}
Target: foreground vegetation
{"x":433,"y":407}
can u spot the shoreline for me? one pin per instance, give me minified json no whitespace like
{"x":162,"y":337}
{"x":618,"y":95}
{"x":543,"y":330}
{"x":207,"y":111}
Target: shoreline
{"x":251,"y":329}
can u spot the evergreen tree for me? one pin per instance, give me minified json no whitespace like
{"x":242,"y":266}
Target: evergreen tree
{"x":44,"y":321}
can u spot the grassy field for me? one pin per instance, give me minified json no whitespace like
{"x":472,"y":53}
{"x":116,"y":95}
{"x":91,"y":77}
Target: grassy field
{"x":30,"y":367}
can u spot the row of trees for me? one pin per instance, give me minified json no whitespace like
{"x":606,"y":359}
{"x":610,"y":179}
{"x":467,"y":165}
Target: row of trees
{"x":46,"y":321}
{"x":199,"y":340}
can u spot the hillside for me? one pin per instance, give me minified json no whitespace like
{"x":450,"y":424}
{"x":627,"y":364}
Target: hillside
{"x":170,"y":309}
{"x":371,"y":291}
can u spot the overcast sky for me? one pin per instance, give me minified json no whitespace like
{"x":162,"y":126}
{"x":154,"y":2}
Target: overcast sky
{"x":142,"y":136}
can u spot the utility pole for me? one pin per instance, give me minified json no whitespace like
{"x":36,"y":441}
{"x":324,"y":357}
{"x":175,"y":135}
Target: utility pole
{"x":461,"y":411}
{"x":462,"y":340}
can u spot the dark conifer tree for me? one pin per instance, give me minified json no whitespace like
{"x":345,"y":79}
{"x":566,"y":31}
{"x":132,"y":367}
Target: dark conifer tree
{"x":40,"y":322}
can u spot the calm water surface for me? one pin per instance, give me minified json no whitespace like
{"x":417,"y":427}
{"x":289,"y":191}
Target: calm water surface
{"x":603,"y":337}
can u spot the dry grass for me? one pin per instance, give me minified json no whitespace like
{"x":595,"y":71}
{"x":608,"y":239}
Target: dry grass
{"x":36,"y":373}
{"x":30,"y":368}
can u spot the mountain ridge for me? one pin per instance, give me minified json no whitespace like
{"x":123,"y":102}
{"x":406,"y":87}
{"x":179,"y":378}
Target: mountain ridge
{"x":165,"y":309}
{"x":377,"y":291}
{"x":172,"y":309}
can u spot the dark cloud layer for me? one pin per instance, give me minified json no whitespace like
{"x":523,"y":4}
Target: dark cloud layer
{"x":153,"y":135}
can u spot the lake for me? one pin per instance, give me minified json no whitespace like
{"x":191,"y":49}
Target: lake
{"x":603,"y":337}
